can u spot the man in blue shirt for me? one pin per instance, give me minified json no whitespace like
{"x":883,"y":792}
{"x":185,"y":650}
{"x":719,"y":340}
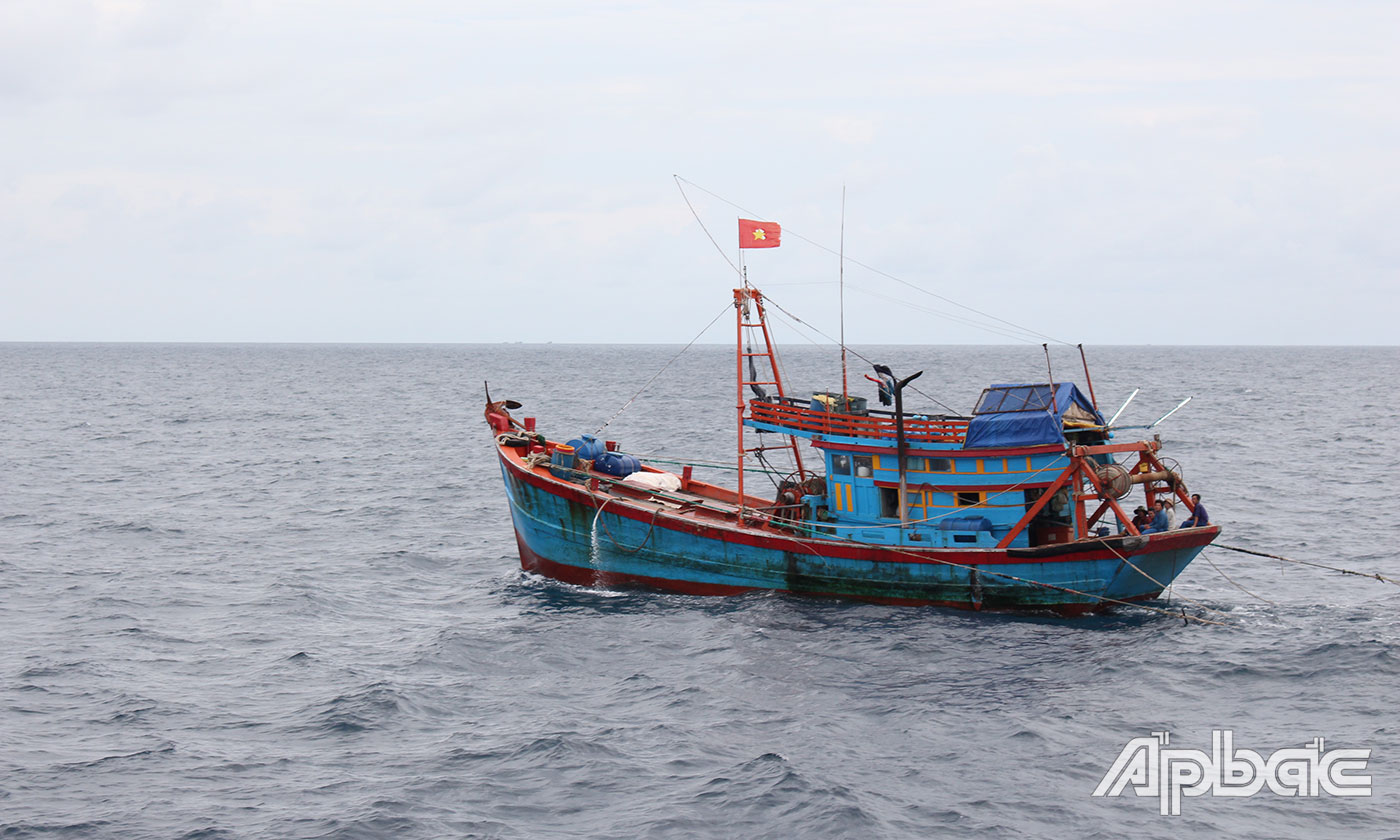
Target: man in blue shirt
{"x":1199,"y":518}
{"x":1159,"y":518}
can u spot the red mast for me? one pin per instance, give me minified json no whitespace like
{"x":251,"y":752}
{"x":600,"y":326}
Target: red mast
{"x":748,"y":304}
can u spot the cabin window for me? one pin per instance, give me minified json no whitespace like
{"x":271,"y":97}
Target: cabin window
{"x":1015,"y":398}
{"x":940,"y":465}
{"x":969,"y":498}
{"x":915,"y":502}
{"x":889,"y":502}
{"x":865,"y":466}
{"x":912,"y":464}
{"x":840,"y":464}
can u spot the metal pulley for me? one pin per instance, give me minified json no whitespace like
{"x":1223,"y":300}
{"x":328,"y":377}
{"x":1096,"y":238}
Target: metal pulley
{"x":1115,"y":480}
{"x":1174,"y":478}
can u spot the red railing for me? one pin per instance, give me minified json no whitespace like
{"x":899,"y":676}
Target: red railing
{"x":852,"y":425}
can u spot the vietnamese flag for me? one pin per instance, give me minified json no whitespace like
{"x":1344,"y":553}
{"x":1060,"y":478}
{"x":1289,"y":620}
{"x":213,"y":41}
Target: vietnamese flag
{"x":758,"y":234}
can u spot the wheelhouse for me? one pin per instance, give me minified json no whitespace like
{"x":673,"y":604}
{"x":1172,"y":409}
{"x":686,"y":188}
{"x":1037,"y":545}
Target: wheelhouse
{"x":968,"y":482}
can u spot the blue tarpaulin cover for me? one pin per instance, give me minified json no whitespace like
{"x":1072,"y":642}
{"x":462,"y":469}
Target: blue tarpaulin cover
{"x":1025,"y":415}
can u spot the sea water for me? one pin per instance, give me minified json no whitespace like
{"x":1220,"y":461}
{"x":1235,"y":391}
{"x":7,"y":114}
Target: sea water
{"x":273,"y":591}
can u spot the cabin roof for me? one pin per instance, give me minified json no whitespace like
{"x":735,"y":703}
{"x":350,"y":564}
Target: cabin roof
{"x":1028,"y":415}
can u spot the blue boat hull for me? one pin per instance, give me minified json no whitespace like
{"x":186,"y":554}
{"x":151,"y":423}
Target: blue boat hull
{"x":567,"y":532}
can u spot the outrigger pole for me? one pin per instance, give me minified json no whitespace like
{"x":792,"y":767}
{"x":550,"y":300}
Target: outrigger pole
{"x":1174,"y":410}
{"x":1119,"y":412}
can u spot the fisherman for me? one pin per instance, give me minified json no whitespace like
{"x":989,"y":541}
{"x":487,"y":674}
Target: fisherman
{"x":1140,"y":518}
{"x":1199,"y":518}
{"x":1159,"y":519}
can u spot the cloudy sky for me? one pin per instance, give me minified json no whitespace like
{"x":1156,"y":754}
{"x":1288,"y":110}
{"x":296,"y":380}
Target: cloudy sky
{"x":365,"y":170}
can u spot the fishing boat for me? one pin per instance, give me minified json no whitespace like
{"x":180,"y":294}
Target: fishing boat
{"x":1015,"y":506}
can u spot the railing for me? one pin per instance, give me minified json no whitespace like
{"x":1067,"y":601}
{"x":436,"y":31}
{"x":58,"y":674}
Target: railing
{"x":942,"y":430}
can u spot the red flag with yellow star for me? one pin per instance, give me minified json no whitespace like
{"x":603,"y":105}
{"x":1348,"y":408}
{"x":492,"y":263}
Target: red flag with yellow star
{"x":758,"y":234}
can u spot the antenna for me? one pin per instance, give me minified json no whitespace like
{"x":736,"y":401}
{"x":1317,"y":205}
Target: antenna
{"x":1050,"y":373}
{"x":1087,"y":378}
{"x":841,"y":275}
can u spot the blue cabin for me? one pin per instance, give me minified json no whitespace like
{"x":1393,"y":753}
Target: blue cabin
{"x":967,"y":480}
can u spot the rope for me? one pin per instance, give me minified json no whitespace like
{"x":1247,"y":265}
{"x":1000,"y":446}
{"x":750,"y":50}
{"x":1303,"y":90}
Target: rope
{"x":1137,"y":569}
{"x":722,"y":253}
{"x":663,"y":369}
{"x":851,"y":351}
{"x":1232,"y":581}
{"x":708,"y":465}
{"x":955,"y":318}
{"x":599,"y":516}
{"x":1379,"y":577}
{"x":794,"y":234}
